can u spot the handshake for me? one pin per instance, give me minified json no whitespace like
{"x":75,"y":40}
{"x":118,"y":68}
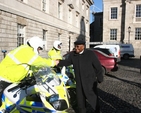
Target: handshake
{"x":57,"y":62}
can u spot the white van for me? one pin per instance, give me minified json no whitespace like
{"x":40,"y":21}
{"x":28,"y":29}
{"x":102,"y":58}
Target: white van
{"x":126,"y":51}
{"x":115,"y":49}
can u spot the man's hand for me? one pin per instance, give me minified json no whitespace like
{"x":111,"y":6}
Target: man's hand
{"x":56,"y":62}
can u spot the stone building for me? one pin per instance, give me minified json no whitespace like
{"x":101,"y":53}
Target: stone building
{"x":64,"y":20}
{"x":122,"y":22}
{"x":96,"y":28}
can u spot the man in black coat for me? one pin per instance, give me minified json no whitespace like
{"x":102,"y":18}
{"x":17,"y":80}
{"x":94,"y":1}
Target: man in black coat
{"x":88,"y":72}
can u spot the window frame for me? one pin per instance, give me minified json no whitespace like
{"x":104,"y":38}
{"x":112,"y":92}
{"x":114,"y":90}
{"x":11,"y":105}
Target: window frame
{"x":59,"y":10}
{"x":59,"y":36}
{"x":114,"y":13}
{"x":70,"y":16}
{"x":113,"y":34}
{"x":138,"y":33}
{"x":44,"y":39}
{"x":138,"y":11}
{"x":44,"y":5}
{"x":20,"y":34}
{"x":44,"y":35}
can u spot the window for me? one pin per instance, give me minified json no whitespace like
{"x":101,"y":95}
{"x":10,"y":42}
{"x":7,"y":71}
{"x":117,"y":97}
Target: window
{"x":43,"y":5}
{"x":44,"y":35}
{"x":70,"y":16}
{"x":113,"y":34}
{"x":114,"y":13}
{"x":44,"y":39}
{"x":125,"y":46}
{"x":87,"y":10}
{"x":82,"y":24}
{"x":87,"y":25}
{"x":83,"y":5}
{"x":137,"y":33}
{"x":138,"y":10}
{"x":77,"y":19}
{"x":59,"y":10}
{"x":20,"y":34}
{"x":77,"y":3}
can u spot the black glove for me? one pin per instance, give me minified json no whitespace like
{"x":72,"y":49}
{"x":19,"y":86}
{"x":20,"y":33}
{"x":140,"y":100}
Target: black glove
{"x":28,"y":81}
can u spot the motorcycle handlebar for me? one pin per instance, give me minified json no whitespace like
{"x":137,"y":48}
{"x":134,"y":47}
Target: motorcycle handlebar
{"x":13,"y":88}
{"x":29,"y":81}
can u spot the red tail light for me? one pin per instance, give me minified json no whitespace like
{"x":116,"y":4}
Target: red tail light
{"x":119,"y":53}
{"x":111,"y":54}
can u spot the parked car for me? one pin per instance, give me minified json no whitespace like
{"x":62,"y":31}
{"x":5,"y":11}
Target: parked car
{"x":104,"y":50}
{"x":126,"y":51}
{"x":115,"y":49}
{"x":108,"y":63}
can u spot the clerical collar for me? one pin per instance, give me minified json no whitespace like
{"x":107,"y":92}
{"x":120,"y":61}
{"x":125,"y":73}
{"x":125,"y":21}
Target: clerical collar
{"x":81,"y":52}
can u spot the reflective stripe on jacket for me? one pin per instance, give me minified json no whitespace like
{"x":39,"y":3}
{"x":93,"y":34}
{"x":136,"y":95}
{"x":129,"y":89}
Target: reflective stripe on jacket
{"x":15,"y":66}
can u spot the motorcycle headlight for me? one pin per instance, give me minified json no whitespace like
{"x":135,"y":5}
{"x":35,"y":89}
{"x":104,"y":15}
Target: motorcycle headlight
{"x":56,"y":103}
{"x":53,"y":98}
{"x":60,"y":105}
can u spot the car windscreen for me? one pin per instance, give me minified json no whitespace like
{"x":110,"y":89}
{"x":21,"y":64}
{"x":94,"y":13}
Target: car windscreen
{"x":106,"y":51}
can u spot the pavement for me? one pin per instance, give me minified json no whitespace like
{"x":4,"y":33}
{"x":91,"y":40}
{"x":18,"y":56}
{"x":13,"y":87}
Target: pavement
{"x":120,"y":92}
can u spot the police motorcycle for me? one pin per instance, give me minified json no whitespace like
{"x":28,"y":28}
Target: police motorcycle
{"x":44,"y":92}
{"x":68,"y":78}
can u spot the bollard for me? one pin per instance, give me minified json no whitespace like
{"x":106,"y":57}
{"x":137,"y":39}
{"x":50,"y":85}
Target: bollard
{"x":4,"y":52}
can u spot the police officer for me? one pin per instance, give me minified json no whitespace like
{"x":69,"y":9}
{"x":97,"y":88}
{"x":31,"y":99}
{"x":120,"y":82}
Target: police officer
{"x":55,"y":52}
{"x":16,"y":65}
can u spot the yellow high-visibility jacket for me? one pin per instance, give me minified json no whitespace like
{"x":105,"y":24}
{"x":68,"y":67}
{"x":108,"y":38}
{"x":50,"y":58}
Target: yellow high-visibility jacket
{"x":15,"y":66}
{"x":54,"y":54}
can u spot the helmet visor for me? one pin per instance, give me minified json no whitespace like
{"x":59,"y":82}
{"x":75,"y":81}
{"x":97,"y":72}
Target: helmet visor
{"x":40,"y":48}
{"x":59,"y":45}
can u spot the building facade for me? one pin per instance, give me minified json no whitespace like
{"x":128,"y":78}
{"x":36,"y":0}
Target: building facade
{"x":96,"y":28}
{"x":122,"y":22}
{"x":64,"y":20}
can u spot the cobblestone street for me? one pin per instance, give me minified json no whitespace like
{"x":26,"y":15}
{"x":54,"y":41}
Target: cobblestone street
{"x":121,"y":91}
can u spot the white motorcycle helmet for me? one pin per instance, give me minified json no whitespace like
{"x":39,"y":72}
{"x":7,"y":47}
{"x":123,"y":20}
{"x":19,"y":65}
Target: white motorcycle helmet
{"x":57,"y":45}
{"x":36,"y":43}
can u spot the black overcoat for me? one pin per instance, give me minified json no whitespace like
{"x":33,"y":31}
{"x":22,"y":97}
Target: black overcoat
{"x":87,"y":70}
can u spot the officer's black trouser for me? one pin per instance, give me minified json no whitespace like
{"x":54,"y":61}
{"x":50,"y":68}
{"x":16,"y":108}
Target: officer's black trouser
{"x":3,"y":85}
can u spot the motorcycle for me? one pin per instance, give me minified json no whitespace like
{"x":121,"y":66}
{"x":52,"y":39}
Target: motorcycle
{"x":68,"y":78}
{"x":44,"y":92}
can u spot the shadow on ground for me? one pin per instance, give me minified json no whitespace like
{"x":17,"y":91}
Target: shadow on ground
{"x":123,"y":80}
{"x":112,"y":104}
{"x":132,"y":62}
